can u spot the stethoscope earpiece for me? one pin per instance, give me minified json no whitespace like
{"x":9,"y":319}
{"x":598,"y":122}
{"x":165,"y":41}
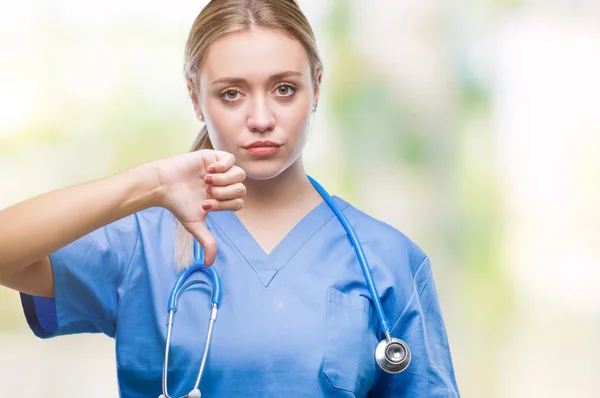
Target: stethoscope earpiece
{"x":393,"y":355}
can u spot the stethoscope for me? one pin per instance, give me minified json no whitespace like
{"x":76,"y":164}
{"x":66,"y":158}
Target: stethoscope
{"x":178,"y":288}
{"x":391,"y":354}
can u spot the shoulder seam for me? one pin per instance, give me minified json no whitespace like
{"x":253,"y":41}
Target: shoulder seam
{"x":128,"y":266}
{"x":414,"y":289}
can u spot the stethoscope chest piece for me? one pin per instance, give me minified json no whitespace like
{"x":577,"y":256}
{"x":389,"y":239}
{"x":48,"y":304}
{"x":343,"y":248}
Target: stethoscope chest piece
{"x":393,"y":355}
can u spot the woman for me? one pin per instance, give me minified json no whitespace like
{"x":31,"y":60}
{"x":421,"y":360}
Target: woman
{"x":295,"y":318}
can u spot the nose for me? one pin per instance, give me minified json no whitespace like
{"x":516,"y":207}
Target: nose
{"x":260,"y":116}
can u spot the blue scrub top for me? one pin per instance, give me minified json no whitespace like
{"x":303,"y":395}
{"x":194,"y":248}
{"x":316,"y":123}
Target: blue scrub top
{"x":297,"y":322}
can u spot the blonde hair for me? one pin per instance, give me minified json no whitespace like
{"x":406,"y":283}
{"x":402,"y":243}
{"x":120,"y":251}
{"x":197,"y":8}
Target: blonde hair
{"x":222,"y":17}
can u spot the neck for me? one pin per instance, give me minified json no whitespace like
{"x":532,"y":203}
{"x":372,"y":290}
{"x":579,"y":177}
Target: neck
{"x":289,"y":188}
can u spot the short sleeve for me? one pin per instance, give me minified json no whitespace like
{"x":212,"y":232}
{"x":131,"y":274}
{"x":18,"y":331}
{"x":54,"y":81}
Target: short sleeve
{"x":87,"y":275}
{"x":421,"y":326}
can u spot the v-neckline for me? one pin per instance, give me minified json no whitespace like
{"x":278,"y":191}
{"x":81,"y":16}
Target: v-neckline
{"x":266,"y":266}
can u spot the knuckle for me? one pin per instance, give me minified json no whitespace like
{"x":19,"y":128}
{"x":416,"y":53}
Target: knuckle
{"x":216,"y":192}
{"x":241,"y":173}
{"x":239,"y":204}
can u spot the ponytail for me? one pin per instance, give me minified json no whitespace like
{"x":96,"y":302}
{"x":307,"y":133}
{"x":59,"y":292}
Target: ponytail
{"x":202,"y":141}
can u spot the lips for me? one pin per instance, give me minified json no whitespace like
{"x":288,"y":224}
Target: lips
{"x":263,"y":148}
{"x":263,"y":144}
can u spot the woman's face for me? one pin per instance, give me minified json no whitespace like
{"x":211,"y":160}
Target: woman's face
{"x":256,"y":94}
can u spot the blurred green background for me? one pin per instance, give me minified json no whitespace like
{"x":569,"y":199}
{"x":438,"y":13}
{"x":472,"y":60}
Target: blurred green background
{"x":473,"y":127}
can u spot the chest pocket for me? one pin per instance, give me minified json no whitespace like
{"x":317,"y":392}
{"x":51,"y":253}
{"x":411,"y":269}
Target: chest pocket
{"x":350,"y":347}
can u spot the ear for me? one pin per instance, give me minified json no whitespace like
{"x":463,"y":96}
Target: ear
{"x":317,"y":87}
{"x":195,"y":101}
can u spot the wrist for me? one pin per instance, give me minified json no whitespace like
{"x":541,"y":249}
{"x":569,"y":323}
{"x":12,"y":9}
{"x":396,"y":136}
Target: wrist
{"x":144,"y":187}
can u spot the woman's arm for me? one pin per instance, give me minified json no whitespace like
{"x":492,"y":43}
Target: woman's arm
{"x":31,"y":230}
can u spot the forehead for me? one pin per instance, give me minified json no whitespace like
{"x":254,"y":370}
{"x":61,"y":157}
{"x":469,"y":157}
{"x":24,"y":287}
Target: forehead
{"x":254,"y":54}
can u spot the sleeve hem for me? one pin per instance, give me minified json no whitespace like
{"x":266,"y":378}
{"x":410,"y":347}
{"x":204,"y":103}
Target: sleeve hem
{"x":41,"y":316}
{"x":43,"y":327}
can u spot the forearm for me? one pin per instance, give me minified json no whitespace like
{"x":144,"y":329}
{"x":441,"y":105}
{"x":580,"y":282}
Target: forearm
{"x":33,"y":229}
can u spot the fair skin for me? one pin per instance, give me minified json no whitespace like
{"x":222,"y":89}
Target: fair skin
{"x":258,"y":85}
{"x":273,"y":191}
{"x":31,"y":230}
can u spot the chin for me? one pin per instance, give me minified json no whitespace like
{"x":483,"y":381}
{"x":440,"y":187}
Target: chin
{"x":264,"y":169}
{"x":262,"y":172}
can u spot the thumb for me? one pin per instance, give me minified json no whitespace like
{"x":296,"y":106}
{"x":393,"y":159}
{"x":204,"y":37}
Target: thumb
{"x":223,"y":162}
{"x":200,"y":231}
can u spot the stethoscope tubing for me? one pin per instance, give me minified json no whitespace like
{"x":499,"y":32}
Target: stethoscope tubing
{"x":359,"y":253}
{"x":178,"y":288}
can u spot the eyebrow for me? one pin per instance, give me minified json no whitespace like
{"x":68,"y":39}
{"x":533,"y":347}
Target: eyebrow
{"x":238,"y":80}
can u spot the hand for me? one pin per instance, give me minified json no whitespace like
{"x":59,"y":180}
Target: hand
{"x":192,"y":184}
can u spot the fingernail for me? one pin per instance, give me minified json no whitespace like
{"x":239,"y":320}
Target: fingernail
{"x":208,"y":179}
{"x":209,"y":190}
{"x":206,"y":205}
{"x":212,"y":169}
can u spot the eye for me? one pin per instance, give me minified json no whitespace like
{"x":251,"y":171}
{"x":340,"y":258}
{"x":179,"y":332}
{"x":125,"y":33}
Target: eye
{"x":285,"y":89}
{"x":230,"y":94}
